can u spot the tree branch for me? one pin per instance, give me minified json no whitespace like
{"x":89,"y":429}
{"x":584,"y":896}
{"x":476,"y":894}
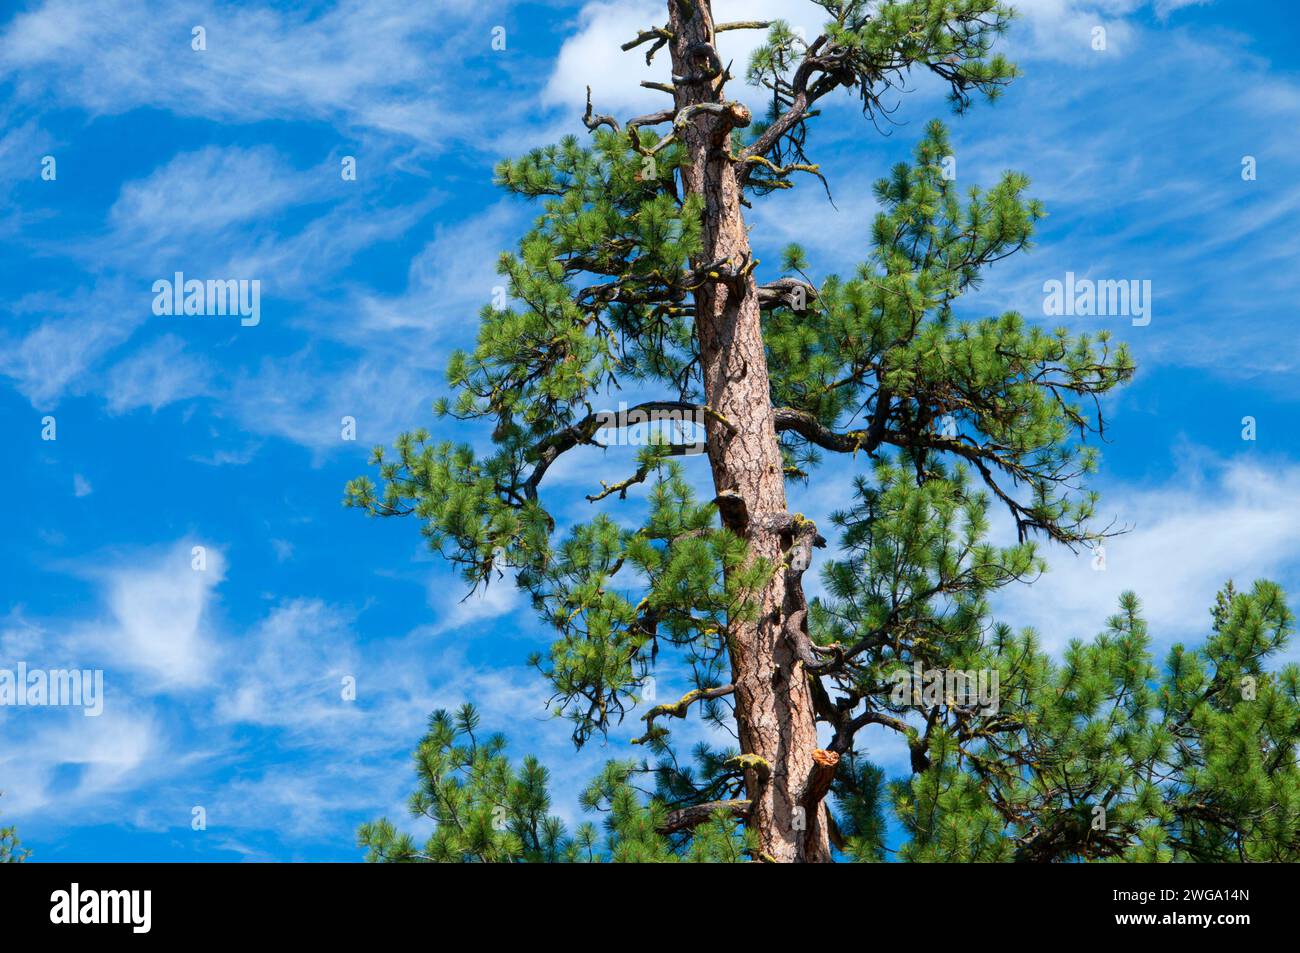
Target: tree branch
{"x":548,"y":450}
{"x":688,"y":818}
{"x":658,"y":36}
{"x":819,"y":779}
{"x":679,"y":708}
{"x":813,"y":430}
{"x":594,"y":121}
{"x":782,"y":292}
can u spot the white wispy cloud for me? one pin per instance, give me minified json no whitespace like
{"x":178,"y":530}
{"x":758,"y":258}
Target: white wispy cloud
{"x":69,"y":333}
{"x":221,"y":213}
{"x":467,"y":612}
{"x":291,"y":669}
{"x":159,"y":621}
{"x":23,"y":145}
{"x":362,"y":63}
{"x":61,"y":763}
{"x":1166,"y":7}
{"x":157,"y":638}
{"x":196,"y":197}
{"x":156,"y":375}
{"x":305,"y":397}
{"x":1215,"y":519}
{"x":449,"y":279}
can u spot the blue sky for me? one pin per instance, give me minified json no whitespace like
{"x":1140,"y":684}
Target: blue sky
{"x":222,"y":687}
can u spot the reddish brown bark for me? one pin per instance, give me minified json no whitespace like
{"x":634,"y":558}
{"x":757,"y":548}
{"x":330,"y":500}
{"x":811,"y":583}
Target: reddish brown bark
{"x":773,"y":698}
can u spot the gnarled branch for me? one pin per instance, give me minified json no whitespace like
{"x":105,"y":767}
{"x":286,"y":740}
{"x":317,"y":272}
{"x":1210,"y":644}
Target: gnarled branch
{"x":678,"y":708}
{"x":782,"y":292}
{"x":688,"y":818}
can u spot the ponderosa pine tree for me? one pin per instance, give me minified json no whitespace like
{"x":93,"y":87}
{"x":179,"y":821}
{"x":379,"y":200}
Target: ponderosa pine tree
{"x":639,"y":275}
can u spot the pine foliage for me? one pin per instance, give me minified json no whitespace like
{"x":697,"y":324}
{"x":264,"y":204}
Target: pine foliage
{"x":1100,"y":755}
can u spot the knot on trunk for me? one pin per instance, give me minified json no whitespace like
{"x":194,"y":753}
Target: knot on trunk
{"x":705,"y":64}
{"x":737,"y":115}
{"x":734,"y":511}
{"x":798,"y":538}
{"x":731,"y":272}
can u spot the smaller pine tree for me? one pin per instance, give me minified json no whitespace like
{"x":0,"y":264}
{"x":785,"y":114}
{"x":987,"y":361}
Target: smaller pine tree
{"x":484,"y":809}
{"x":487,"y":811}
{"x":11,"y":850}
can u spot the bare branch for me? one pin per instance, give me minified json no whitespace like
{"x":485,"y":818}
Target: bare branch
{"x":742,"y":25}
{"x":688,"y":818}
{"x":678,"y":708}
{"x":651,"y":119}
{"x":594,"y":121}
{"x":660,"y":37}
{"x":645,"y":36}
{"x":548,"y":450}
{"x":814,"y":431}
{"x":621,"y":487}
{"x":782,"y":292}
{"x":819,"y":779}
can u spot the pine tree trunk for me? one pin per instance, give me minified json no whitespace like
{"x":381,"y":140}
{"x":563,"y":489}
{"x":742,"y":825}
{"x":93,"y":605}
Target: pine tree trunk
{"x":773,"y":700}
